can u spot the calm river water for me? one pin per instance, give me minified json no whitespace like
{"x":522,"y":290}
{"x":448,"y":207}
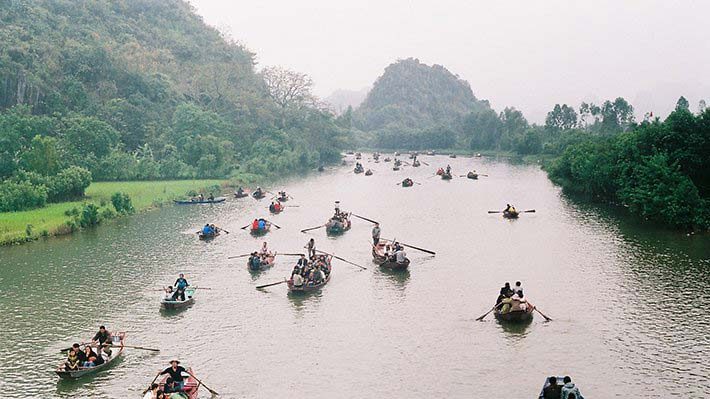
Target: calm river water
{"x":628,"y":301}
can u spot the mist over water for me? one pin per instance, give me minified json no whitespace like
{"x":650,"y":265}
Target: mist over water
{"x":626,"y":299}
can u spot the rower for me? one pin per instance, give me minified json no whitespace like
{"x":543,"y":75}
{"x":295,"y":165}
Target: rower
{"x":507,"y":208}
{"x":376,"y":234}
{"x":277,"y":206}
{"x":254,"y":261}
{"x":311,"y":246}
{"x":264,"y":249}
{"x":176,"y":379}
{"x":103,"y":336}
{"x":337,"y":209}
{"x":272,"y":207}
{"x":448,"y":169}
{"x":207,"y":230}
{"x":180,"y":285}
{"x":262,"y":224}
{"x":518,"y":288}
{"x":255,"y":224}
{"x":240,"y":190}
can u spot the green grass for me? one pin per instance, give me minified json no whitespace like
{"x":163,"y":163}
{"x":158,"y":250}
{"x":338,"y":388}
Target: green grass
{"x":51,"y":219}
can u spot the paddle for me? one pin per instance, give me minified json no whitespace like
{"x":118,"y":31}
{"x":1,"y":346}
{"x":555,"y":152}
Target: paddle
{"x":219,"y":228}
{"x":364,"y":218}
{"x":543,"y":315}
{"x":527,"y":211}
{"x":413,"y":247}
{"x":275,"y":225}
{"x":344,"y":260}
{"x":245,"y":226}
{"x":292,"y":254}
{"x":238,"y":256}
{"x":269,"y":285}
{"x":142,"y":348}
{"x":486,"y":314}
{"x":151,"y":383}
{"x":312,"y":228}
{"x":202,"y":383}
{"x":424,"y":163}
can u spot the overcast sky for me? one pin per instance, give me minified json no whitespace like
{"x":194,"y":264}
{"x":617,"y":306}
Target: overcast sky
{"x":528,"y":54}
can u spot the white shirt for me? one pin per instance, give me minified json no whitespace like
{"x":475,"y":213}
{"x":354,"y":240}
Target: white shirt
{"x":297,"y":280}
{"x":517,"y":288}
{"x":401,"y":256}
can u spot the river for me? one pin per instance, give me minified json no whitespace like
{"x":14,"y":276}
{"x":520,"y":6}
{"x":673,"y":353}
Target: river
{"x":627,"y":300}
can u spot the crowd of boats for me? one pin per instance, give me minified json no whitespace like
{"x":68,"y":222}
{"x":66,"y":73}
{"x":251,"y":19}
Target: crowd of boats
{"x":311,"y":272}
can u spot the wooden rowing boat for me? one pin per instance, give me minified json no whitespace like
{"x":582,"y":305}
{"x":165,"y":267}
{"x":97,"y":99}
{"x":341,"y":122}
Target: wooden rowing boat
{"x":258,"y":195}
{"x":379,"y":257}
{"x":260,"y":232}
{"x":358,"y":170}
{"x":387,"y":159}
{"x":206,"y":201}
{"x":267,"y":263}
{"x":240,"y":195}
{"x":407,"y":182}
{"x":189,"y":389}
{"x":472,"y":175}
{"x":446,"y":176}
{"x":452,"y":156}
{"x":517,"y":316}
{"x":416,"y":164}
{"x":335,"y":226}
{"x":274,"y":210}
{"x":368,"y":173}
{"x":511,"y":215}
{"x":395,"y":168}
{"x":167,"y":302}
{"x":310,"y":287}
{"x":117,"y":350}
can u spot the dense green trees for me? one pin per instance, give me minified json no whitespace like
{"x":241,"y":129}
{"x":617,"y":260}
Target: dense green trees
{"x":143,"y":89}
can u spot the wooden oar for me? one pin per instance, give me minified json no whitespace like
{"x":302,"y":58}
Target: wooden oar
{"x":312,"y":228}
{"x":344,"y":260}
{"x":269,"y":285}
{"x":424,"y":163}
{"x":486,"y":314}
{"x":364,"y":218}
{"x":203,"y":384}
{"x":292,"y":254}
{"x":219,"y":228}
{"x":529,"y":211}
{"x":292,"y":206}
{"x":141,"y":348}
{"x":238,"y":256}
{"x":275,"y":225}
{"x":413,"y":247}
{"x":543,"y":315}
{"x":151,"y":383}
{"x":495,"y":211}
{"x":245,"y":226}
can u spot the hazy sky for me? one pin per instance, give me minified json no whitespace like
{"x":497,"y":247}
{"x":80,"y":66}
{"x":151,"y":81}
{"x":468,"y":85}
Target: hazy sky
{"x":528,"y":54}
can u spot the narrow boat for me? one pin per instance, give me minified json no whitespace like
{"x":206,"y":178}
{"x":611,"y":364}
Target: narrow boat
{"x":310,"y":287}
{"x":452,"y":156}
{"x":321,"y":168}
{"x":117,"y":350}
{"x":387,"y":159}
{"x":518,"y":316}
{"x":378,"y":256}
{"x":358,"y":155}
{"x":396,"y":153}
{"x":358,"y":170}
{"x":416,"y":164}
{"x":264,"y":264}
{"x":511,"y":215}
{"x":258,"y":195}
{"x":189,"y":389}
{"x":167,"y":301}
{"x":260,"y":232}
{"x":407,"y":182}
{"x":240,"y":195}
{"x":472,"y":175}
{"x":196,"y":201}
{"x":431,"y":152}
{"x":395,"y":168}
{"x":446,"y":176}
{"x":276,"y":210}
{"x":283,"y":197}
{"x":338,"y":226}
{"x":205,"y":237}
{"x":368,"y":172}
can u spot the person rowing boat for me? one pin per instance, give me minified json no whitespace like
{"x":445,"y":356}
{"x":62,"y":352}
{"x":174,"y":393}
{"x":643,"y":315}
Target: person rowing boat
{"x":176,"y":380}
{"x":376,"y":234}
{"x":179,"y":288}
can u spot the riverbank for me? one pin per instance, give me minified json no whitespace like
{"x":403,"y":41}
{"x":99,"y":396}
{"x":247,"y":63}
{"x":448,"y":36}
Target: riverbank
{"x":51,"y":220}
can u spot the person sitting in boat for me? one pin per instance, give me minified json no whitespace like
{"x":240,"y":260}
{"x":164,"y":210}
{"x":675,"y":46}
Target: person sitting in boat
{"x":448,"y":169}
{"x":518,"y":288}
{"x":106,"y":350}
{"x":569,"y":390}
{"x":297,"y":279}
{"x":240,"y":191}
{"x":180,"y":285}
{"x":255,"y":224}
{"x":277,"y":206}
{"x":215,"y":229}
{"x":552,"y":391}
{"x":316,"y":276}
{"x":175,"y":382}
{"x":102,"y":336}
{"x":99,"y":358}
{"x":519,"y":303}
{"x":262,"y":224}
{"x":211,"y":197}
{"x":400,"y":256}
{"x":200,"y":197}
{"x":302,"y":262}
{"x":90,"y":357}
{"x":505,"y":305}
{"x":505,"y":292}
{"x":207,"y":230}
{"x":73,"y":362}
{"x":272,"y":207}
{"x":254,"y":261}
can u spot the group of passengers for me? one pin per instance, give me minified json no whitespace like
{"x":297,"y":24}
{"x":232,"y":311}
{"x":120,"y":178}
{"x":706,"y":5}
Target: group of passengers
{"x":311,"y":271}
{"x":339,"y":215}
{"x":259,"y":258}
{"x":201,"y":197}
{"x":258,"y":224}
{"x":210,"y":230}
{"x":392,"y":251}
{"x":275,"y":206}
{"x":512,"y":299}
{"x":565,"y":391}
{"x":85,"y":358}
{"x":177,"y":290}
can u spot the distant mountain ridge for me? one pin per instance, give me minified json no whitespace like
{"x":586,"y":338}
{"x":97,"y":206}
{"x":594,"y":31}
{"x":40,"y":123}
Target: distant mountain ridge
{"x":410,"y":94}
{"x":341,"y":99}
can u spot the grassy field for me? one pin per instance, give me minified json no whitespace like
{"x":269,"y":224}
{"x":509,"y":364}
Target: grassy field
{"x":51,"y":219}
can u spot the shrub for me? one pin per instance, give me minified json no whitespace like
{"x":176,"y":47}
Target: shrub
{"x":18,"y":196}
{"x":122,"y":203}
{"x":89,"y":216}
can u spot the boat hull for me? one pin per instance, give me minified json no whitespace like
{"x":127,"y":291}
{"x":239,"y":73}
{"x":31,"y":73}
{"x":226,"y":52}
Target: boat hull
{"x":188,"y":202}
{"x":519,"y":316}
{"x":190,"y":388}
{"x":189,"y":300}
{"x":334,"y":227}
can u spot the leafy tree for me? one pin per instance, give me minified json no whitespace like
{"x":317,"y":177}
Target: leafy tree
{"x":561,"y":118}
{"x":682,"y":104}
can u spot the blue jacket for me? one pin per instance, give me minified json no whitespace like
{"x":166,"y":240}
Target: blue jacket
{"x":181,"y":283}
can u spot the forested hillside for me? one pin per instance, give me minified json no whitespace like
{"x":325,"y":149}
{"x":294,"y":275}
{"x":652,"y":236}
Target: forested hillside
{"x":142,"y":89}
